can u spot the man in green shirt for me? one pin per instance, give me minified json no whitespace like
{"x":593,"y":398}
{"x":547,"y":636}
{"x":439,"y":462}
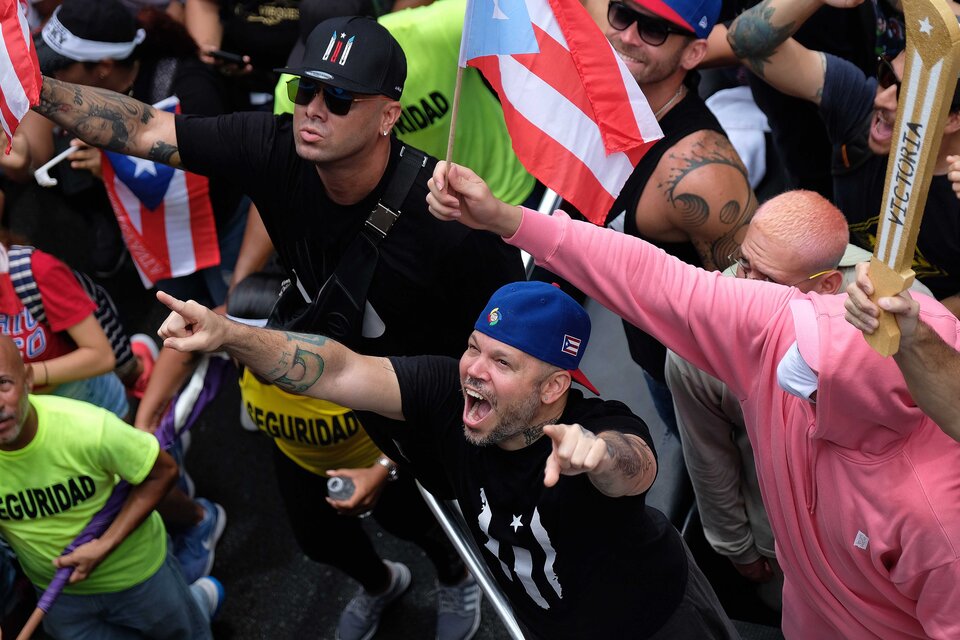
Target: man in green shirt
{"x":60,"y":460}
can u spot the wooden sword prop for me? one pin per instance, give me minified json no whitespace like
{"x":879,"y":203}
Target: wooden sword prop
{"x":929,"y":79}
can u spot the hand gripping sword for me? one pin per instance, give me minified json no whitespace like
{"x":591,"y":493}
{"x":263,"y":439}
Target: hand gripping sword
{"x":931,"y":64}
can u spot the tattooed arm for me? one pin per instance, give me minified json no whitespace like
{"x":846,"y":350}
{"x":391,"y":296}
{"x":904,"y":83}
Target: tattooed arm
{"x":617,"y":464}
{"x":299,"y":363}
{"x":110,"y":120}
{"x":700,"y":193}
{"x":761,"y":38}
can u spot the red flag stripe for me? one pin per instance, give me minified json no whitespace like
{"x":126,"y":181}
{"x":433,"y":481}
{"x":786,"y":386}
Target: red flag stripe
{"x":203,"y":228}
{"x":556,"y":164}
{"x":560,"y":73}
{"x":620,"y":106}
{"x":19,"y":70}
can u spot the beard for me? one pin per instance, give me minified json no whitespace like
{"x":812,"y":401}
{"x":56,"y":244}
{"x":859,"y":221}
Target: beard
{"x":513,"y":419}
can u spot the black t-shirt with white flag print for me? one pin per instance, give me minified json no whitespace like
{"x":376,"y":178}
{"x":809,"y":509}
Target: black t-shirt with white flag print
{"x":573,"y":562}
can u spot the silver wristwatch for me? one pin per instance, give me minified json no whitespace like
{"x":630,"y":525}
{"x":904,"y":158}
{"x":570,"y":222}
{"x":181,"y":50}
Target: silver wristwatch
{"x":393,"y":472}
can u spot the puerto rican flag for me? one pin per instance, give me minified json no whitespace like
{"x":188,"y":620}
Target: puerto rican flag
{"x":577,"y":118}
{"x":19,"y":70}
{"x":164,"y":214}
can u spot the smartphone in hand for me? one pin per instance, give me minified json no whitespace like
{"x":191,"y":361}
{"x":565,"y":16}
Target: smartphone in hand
{"x":226,"y":56}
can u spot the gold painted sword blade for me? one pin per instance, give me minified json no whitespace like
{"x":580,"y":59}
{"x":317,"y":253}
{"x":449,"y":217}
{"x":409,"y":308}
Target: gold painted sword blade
{"x":929,"y":79}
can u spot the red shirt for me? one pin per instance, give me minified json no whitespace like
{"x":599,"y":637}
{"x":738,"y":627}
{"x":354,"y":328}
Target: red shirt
{"x":65,"y":303}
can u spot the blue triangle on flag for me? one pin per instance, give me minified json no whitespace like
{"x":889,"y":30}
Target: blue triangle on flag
{"x":146,"y":179}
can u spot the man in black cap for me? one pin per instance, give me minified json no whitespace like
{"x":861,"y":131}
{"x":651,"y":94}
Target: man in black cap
{"x":344,"y":204}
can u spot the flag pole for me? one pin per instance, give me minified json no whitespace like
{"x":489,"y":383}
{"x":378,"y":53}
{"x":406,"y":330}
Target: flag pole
{"x":453,"y":113}
{"x":32,"y":623}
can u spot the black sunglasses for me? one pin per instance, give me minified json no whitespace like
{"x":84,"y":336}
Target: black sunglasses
{"x":338,"y":101}
{"x":652,"y":31}
{"x":887,"y":77}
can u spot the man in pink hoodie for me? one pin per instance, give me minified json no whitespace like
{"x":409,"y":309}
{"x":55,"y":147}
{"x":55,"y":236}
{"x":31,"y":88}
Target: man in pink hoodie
{"x":860,"y":485}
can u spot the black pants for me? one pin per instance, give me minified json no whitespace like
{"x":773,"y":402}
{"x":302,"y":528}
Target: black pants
{"x":340,"y":541}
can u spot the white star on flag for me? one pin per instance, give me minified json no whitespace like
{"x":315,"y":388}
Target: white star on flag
{"x":925,"y":26}
{"x":143,"y":166}
{"x":516,"y":524}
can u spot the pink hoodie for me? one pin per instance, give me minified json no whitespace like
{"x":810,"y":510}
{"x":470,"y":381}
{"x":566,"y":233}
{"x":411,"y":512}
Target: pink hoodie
{"x":862,"y":489}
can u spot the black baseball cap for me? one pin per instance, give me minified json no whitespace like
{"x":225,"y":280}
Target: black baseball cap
{"x":87,"y":31}
{"x":354,"y":53}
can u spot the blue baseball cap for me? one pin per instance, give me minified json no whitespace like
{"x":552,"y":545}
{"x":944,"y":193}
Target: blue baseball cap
{"x":542,"y":321}
{"x":698,"y":16}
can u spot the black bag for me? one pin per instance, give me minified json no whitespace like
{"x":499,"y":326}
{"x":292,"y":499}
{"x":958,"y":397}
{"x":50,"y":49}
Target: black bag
{"x":337,"y":310}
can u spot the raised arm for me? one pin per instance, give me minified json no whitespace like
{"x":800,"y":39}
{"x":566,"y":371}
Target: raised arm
{"x":111,"y":120}
{"x":618,"y":464}
{"x":930,"y":366}
{"x":298,"y":363}
{"x":760,"y":37}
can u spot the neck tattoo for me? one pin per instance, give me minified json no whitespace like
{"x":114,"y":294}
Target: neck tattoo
{"x":533,"y":434}
{"x":669,"y":103}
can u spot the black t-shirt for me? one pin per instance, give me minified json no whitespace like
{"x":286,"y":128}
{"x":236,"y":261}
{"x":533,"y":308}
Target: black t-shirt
{"x":573,"y":562}
{"x":265,"y":30}
{"x":432,"y":279}
{"x":859,"y":174}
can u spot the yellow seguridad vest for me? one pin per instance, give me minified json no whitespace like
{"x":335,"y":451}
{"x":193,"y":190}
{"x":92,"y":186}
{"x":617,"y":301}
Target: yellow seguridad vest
{"x":316,"y":434}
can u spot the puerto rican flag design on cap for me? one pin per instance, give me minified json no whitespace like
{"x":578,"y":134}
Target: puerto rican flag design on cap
{"x":571,"y":345}
{"x":338,"y":49}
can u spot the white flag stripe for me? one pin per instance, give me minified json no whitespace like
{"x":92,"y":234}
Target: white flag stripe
{"x":647,"y":122}
{"x":542,"y":16}
{"x":10,"y":83}
{"x":176,"y":221}
{"x":551,"y":112}
{"x":131,"y":204}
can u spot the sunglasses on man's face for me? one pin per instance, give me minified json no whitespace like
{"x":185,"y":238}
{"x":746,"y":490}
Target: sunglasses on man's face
{"x":338,"y":101}
{"x":886,"y":76}
{"x":652,"y":31}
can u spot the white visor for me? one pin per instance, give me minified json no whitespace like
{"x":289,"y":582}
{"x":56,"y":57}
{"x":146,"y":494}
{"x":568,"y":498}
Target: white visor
{"x":59,"y":38}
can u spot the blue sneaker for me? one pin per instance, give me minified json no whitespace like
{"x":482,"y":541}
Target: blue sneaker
{"x":209,"y":594}
{"x":195,"y":547}
{"x":458,"y":610}
{"x":361,"y":617}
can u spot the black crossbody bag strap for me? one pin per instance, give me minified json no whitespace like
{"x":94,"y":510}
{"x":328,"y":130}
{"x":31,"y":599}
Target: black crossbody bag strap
{"x":337,"y":310}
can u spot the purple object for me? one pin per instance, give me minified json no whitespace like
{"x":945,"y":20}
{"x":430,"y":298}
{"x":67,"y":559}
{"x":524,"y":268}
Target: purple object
{"x":217,"y":372}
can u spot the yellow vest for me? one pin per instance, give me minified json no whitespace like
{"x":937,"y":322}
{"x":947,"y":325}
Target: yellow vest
{"x":316,"y":434}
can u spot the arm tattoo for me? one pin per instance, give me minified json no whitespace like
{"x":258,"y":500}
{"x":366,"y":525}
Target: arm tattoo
{"x":102,"y":118}
{"x":695,"y":210}
{"x":299,"y":372}
{"x":631,"y":457}
{"x":754,"y":38}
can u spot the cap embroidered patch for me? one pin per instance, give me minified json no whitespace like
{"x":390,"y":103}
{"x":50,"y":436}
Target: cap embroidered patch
{"x":571,"y":345}
{"x":338,"y":50}
{"x":494,"y":316}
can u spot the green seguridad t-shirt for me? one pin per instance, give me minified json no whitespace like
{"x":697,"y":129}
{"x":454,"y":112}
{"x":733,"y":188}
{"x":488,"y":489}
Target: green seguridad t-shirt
{"x":51,"y":488}
{"x":430,"y":37}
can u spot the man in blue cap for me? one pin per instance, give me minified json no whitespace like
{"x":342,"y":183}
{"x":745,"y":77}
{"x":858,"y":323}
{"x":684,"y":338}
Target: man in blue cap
{"x":561,"y":520}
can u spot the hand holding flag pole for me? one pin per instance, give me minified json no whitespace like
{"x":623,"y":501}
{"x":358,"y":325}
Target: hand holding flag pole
{"x":931,"y":64}
{"x":576,"y":117}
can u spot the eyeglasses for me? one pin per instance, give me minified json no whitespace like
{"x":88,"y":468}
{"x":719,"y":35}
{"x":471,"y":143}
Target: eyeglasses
{"x":886,"y":76}
{"x":652,"y":31}
{"x":744,"y":270}
{"x":338,"y":101}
